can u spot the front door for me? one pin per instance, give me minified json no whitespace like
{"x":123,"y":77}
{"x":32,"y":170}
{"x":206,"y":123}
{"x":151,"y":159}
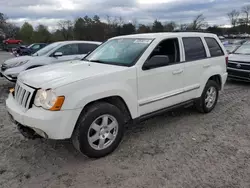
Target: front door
{"x":69,"y":52}
{"x":162,"y":87}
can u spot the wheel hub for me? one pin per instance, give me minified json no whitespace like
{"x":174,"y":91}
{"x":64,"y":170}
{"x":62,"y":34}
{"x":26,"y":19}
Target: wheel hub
{"x":102,"y":132}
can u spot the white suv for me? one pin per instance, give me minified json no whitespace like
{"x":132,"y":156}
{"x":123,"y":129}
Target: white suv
{"x":127,"y":78}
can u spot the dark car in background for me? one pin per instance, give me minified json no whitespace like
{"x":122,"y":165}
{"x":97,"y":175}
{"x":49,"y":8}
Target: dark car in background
{"x":28,"y":50}
{"x":239,"y":64}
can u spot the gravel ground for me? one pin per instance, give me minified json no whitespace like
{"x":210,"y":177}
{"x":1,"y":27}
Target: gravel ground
{"x":181,"y":149}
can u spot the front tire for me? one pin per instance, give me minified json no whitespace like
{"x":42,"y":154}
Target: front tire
{"x":209,"y":97}
{"x":99,"y":130}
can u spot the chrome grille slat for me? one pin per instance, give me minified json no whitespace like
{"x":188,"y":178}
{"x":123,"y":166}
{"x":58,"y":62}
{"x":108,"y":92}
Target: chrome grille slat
{"x":19,"y":96}
{"x":23,"y":95}
{"x":23,"y":103}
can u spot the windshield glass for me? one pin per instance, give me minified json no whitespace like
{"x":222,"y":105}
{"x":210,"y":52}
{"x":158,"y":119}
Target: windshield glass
{"x":122,"y":52}
{"x":46,"y":49}
{"x":244,"y":49}
{"x":30,"y":46}
{"x":230,"y":48}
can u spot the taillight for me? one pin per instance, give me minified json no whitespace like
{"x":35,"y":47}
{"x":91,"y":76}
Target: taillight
{"x":226,"y":60}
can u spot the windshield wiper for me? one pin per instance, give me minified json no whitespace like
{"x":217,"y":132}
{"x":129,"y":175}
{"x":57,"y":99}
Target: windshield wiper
{"x":98,"y":61}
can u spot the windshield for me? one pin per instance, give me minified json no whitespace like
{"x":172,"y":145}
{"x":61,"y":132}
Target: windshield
{"x":244,"y":49}
{"x":46,"y":49}
{"x":231,"y":48}
{"x":30,"y":46}
{"x":122,"y":52}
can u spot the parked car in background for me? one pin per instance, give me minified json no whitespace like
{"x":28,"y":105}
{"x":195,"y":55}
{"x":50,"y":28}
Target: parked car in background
{"x":221,"y":37}
{"x":12,"y":41}
{"x":237,"y":41}
{"x":54,"y":53}
{"x":231,"y":48}
{"x":128,"y":78}
{"x":28,"y":50}
{"x":239,"y":64}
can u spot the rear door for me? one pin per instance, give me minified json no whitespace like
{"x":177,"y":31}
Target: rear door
{"x":216,"y":54}
{"x":195,"y":63}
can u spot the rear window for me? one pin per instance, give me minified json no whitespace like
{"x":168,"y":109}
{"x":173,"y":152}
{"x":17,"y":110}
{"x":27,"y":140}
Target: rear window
{"x":194,"y":49}
{"x":214,"y":47}
{"x":86,"y":47}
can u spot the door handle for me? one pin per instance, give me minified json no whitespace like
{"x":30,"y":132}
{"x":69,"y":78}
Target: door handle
{"x":207,"y":65}
{"x":177,"y":71}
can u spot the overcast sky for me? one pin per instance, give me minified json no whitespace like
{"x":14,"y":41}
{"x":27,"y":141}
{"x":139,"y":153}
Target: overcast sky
{"x":49,"y":12}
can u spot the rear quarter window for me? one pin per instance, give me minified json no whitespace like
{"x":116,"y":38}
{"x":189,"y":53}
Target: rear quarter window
{"x":85,"y":48}
{"x":194,"y":48}
{"x":214,"y":47}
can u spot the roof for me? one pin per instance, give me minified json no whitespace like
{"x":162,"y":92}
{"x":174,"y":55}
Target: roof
{"x":78,"y":41}
{"x":167,"y":35}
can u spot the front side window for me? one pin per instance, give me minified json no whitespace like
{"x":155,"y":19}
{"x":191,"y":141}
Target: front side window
{"x":124,"y":51}
{"x":46,"y":49}
{"x":68,"y":49}
{"x":35,"y":47}
{"x":194,"y":49}
{"x":214,"y":47}
{"x":170,"y":48}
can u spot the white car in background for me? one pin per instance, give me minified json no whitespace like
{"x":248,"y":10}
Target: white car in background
{"x":54,"y":53}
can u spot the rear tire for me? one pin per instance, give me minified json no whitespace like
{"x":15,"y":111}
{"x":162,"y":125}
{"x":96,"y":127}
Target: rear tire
{"x":99,"y":130}
{"x":209,"y":97}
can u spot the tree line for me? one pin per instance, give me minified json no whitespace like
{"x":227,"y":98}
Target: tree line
{"x":92,"y":28}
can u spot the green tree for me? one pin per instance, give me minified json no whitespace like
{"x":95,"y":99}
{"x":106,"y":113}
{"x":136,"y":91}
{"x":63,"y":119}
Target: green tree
{"x":79,"y":28}
{"x":26,"y":32}
{"x":42,"y":34}
{"x":128,"y":29}
{"x":170,"y":26}
{"x":143,"y":29}
{"x":157,"y":26}
{"x":3,"y":19}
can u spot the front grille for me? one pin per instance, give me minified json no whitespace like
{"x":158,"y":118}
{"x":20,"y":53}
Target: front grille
{"x":239,"y":65}
{"x":23,"y":95}
{"x":238,"y":74}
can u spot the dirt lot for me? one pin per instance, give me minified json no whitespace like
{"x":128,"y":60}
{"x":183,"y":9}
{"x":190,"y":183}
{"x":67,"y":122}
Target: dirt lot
{"x":180,"y":149}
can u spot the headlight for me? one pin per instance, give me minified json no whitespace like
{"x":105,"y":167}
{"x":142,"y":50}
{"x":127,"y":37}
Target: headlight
{"x":48,"y":100}
{"x":20,"y":63}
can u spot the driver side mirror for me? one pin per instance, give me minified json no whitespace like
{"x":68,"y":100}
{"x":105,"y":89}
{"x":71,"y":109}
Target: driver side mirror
{"x":156,"y":61}
{"x":58,"y":54}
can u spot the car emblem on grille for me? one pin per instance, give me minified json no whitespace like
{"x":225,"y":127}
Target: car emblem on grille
{"x":238,"y":66}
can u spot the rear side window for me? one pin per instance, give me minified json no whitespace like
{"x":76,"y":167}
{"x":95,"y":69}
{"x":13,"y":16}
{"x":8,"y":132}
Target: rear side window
{"x":194,"y":49}
{"x":85,"y":48}
{"x":214,"y":47}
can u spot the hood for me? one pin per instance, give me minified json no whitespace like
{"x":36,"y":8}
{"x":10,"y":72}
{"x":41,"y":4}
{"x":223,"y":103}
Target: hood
{"x":53,"y":76}
{"x":239,"y":57}
{"x":12,"y":61}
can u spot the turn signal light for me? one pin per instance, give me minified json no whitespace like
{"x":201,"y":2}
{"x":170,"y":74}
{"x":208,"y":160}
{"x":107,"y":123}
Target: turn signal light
{"x":58,"y":104}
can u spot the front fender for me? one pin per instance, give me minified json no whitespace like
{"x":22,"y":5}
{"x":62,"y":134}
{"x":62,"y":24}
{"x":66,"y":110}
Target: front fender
{"x":79,"y":98}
